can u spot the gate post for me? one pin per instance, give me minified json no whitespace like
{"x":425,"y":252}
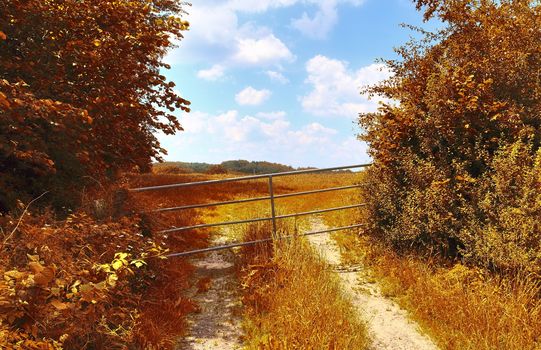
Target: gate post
{"x":273,"y":212}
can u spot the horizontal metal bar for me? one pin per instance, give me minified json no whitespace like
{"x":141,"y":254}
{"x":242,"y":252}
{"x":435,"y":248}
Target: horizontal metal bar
{"x":222,"y":247}
{"x":317,"y":191}
{"x":255,"y":199}
{"x":244,"y":178}
{"x":320,"y":211}
{"x":243,"y":244}
{"x":178,"y":229}
{"x":215,"y":204}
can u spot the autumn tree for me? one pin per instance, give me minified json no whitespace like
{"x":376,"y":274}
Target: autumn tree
{"x":457,"y":150}
{"x":82,"y":91}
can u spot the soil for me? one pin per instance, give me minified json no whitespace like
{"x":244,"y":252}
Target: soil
{"x":218,"y":324}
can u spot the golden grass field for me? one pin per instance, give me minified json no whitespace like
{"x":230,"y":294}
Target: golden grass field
{"x":460,"y":307}
{"x":279,"y":314}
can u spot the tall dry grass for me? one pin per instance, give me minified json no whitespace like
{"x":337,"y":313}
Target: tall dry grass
{"x":461,"y":307}
{"x":292,"y":300}
{"x":165,"y":308}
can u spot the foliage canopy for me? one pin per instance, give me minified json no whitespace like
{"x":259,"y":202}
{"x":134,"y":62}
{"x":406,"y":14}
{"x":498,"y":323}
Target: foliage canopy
{"x":81,"y":91}
{"x":456,"y":152}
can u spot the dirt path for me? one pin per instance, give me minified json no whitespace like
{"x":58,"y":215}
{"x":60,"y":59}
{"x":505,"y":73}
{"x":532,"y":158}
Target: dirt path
{"x":218,"y":325}
{"x":388,"y":324}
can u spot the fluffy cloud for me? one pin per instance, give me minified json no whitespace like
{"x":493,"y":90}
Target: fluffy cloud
{"x":277,"y":76}
{"x":271,"y":115}
{"x":252,"y":97}
{"x":217,"y":34}
{"x":266,"y":50}
{"x":336,"y":89}
{"x":212,"y":74}
{"x":266,"y":128}
{"x":230,"y":135}
{"x":320,"y":24}
{"x":323,"y":21}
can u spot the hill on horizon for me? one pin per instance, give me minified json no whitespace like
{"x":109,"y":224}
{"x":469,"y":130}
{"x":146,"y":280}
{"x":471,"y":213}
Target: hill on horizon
{"x":228,"y":166}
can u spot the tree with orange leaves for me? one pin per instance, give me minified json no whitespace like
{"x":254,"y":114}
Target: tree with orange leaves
{"x":81,"y":90}
{"x":457,"y":150}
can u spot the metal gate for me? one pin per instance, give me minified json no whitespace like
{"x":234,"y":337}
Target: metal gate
{"x":271,"y":198}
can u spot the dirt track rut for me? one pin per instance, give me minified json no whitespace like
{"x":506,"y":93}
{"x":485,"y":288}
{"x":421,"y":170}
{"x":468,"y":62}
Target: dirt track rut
{"x":388,"y":324}
{"x":218,"y":324}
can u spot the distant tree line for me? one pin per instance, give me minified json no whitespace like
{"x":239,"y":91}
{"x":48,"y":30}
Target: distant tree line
{"x":230,"y":166}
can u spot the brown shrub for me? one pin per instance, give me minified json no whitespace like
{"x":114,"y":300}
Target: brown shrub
{"x":87,"y":283}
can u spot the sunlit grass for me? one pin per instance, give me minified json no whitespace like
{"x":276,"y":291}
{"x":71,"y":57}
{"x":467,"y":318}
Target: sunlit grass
{"x":460,"y":307}
{"x":292,"y":300}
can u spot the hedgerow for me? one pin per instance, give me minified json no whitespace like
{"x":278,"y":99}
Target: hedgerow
{"x":456,"y":150}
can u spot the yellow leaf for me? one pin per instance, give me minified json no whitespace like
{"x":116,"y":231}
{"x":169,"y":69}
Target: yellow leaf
{"x":111,"y":279}
{"x":138,"y":263}
{"x":13,"y":274}
{"x":33,"y":257}
{"x":97,"y":42}
{"x":116,"y":264}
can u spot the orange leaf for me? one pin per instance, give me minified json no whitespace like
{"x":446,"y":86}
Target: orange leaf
{"x":44,"y":277}
{"x":3,"y":35}
{"x":59,"y":305}
{"x":4,"y":103}
{"x":35,"y":267}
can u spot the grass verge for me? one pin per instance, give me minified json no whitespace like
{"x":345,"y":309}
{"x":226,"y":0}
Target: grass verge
{"x":459,"y":306}
{"x":292,"y":300}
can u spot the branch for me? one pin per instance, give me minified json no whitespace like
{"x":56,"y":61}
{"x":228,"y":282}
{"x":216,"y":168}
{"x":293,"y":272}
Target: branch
{"x":22,"y":216}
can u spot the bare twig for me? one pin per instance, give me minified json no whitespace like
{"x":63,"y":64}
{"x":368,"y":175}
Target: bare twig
{"x":22,"y":216}
{"x":96,"y":181}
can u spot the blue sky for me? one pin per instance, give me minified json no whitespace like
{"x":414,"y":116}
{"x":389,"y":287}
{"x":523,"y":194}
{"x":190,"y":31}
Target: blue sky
{"x":279,"y":80}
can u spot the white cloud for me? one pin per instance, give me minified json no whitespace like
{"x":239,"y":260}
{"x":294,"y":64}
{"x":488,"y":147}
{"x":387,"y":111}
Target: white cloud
{"x":321,"y":24}
{"x":230,"y":135}
{"x":336,"y":90}
{"x":219,"y":34}
{"x":234,"y":128}
{"x":213,"y":73}
{"x":271,"y":115}
{"x":252,"y":97}
{"x":318,"y":128}
{"x":277,"y":76}
{"x":323,"y":21}
{"x":266,"y":50}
